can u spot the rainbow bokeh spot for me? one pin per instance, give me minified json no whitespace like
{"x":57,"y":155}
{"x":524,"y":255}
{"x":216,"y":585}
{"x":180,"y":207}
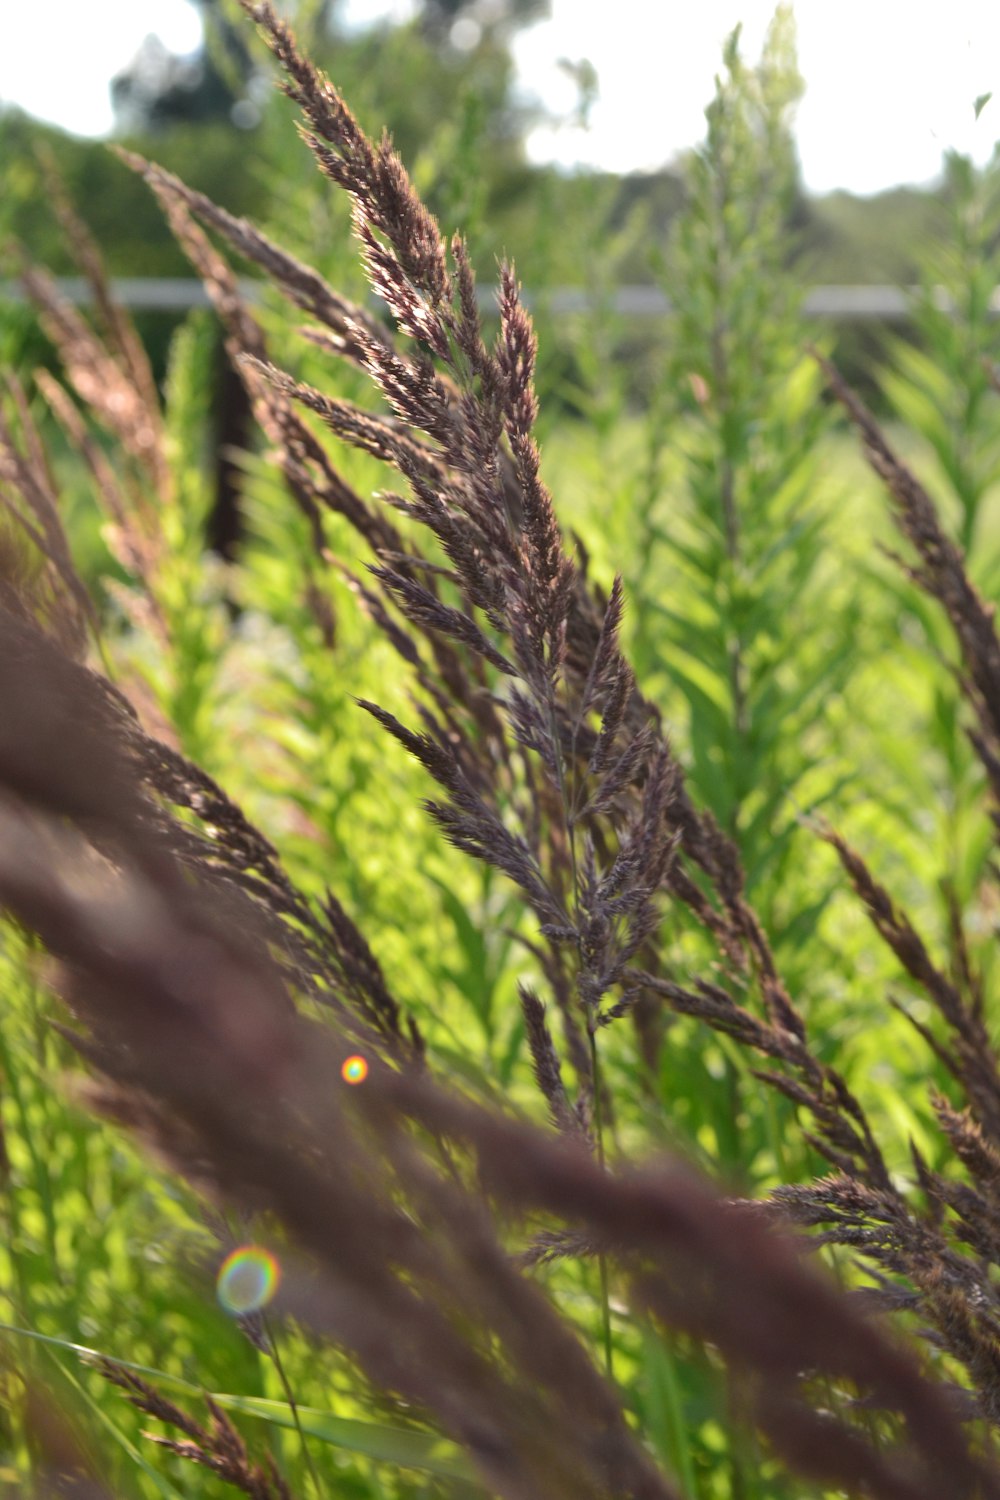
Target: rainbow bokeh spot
{"x":355,"y":1070}
{"x":248,"y":1279}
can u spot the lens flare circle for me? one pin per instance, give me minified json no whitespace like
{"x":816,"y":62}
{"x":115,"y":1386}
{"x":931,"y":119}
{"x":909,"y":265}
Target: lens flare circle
{"x":248,"y":1279}
{"x":355,"y":1070}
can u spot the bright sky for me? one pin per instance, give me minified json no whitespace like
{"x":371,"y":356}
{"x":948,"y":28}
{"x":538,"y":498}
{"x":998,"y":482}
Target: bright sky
{"x":889,"y":85}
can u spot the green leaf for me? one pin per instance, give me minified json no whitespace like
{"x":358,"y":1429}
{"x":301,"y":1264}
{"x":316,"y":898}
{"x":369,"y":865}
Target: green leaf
{"x":512,"y":1051}
{"x":402,"y":1447}
{"x":461,"y":1065}
{"x":663,"y":1411}
{"x":473,"y":981}
{"x":704,"y":691}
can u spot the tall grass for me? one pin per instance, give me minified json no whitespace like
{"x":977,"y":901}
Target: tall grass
{"x":391,"y":784}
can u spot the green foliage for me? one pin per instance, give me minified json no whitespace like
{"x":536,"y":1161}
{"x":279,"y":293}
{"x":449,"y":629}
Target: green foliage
{"x":942,"y":388}
{"x":940,"y":384}
{"x":741,"y":621}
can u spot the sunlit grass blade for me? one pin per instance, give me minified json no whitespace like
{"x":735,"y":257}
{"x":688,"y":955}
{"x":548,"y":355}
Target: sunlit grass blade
{"x":402,"y":1447}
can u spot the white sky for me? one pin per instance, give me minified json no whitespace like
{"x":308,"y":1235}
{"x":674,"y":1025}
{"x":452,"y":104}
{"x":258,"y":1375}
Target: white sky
{"x":889,"y":85}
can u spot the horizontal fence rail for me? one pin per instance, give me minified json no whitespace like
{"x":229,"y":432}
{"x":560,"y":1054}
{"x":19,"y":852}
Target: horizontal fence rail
{"x":177,"y":294}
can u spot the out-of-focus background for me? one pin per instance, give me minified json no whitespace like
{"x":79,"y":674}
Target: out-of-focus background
{"x":560,"y":122}
{"x":886,"y":93}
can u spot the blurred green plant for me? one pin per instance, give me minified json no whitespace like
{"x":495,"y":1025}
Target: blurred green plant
{"x":941,"y":383}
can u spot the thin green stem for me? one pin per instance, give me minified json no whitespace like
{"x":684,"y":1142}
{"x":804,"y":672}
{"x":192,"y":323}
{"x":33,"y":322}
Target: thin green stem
{"x":289,"y":1397}
{"x":602,"y":1263}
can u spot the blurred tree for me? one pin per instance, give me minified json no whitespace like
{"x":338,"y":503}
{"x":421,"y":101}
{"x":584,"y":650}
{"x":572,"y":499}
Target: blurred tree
{"x":159,"y":89}
{"x":463,"y":22}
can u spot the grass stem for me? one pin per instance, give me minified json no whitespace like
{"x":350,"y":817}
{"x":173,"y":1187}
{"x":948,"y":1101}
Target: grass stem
{"x":290,"y":1398}
{"x":602,"y":1262}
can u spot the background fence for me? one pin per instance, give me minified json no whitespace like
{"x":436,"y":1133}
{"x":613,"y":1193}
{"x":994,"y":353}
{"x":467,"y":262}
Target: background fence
{"x":877,"y":303}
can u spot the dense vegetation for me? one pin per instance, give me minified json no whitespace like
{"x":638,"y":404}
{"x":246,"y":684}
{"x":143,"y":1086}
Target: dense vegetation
{"x":627,"y":811}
